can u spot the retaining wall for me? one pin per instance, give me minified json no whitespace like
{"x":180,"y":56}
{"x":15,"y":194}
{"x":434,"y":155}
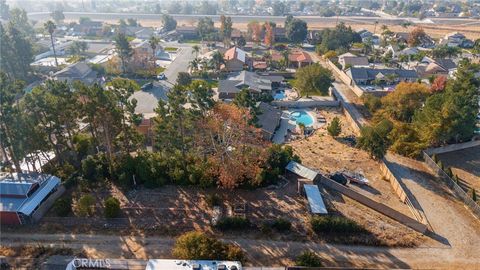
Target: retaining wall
{"x":379,"y":207}
{"x":456,"y":189}
{"x":452,"y":147}
{"x":346,"y":111}
{"x":345,"y":79}
{"x":307,"y":104}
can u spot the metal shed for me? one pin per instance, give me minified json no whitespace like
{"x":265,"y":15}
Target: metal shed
{"x":301,"y":170}
{"x":315,"y":200}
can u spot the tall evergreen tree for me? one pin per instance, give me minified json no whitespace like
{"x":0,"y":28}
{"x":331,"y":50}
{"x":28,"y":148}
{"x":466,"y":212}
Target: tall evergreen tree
{"x":123,"y":49}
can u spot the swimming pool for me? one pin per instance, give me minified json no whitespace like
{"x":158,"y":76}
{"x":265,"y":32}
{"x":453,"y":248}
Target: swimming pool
{"x":302,"y":117}
{"x":279,"y":95}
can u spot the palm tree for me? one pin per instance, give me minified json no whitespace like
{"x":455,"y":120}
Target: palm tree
{"x":375,"y":27}
{"x":196,"y":50}
{"x":193,"y":65}
{"x":154,"y":41}
{"x":50,"y":27}
{"x":217,"y":60}
{"x":285,"y":54}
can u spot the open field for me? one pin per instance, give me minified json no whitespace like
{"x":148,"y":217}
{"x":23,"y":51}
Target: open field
{"x":465,"y":164}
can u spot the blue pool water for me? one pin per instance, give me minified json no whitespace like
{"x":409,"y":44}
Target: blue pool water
{"x":279,"y":95}
{"x":302,"y":117}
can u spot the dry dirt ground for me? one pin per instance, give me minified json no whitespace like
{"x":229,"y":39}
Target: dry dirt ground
{"x":328,"y":154}
{"x":465,"y":164}
{"x":436,"y":31}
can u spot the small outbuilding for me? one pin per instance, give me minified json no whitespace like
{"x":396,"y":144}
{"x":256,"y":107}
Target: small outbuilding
{"x":315,"y":200}
{"x":22,"y":195}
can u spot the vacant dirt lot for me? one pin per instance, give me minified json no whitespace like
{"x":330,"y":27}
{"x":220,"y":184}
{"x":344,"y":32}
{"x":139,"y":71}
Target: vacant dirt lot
{"x":328,"y":155}
{"x":436,"y":31}
{"x":465,"y":164}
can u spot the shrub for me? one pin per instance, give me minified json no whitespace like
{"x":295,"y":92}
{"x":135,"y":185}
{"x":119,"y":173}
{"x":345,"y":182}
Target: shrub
{"x":335,"y":127}
{"x":233,"y":223}
{"x":199,"y":246}
{"x":308,"y":259}
{"x":234,"y":253}
{"x":371,"y":102}
{"x":112,"y":207}
{"x":440,"y":164}
{"x":281,"y":225}
{"x":435,"y":158}
{"x":213,"y":200}
{"x":449,"y":172}
{"x":335,"y":224}
{"x":63,"y":207}
{"x":474,"y":195}
{"x":85,"y":205}
{"x":93,"y":168}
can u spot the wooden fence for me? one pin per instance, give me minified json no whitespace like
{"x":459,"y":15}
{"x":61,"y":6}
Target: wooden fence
{"x":454,"y":187}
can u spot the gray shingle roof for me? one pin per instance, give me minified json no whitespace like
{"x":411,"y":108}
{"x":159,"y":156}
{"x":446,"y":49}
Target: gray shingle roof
{"x":236,"y":82}
{"x":371,"y":73}
{"x":76,"y":71}
{"x":269,"y":117}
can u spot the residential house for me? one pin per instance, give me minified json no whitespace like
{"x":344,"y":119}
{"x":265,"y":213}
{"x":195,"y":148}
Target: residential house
{"x":401,"y":37}
{"x":256,"y":84}
{"x":367,"y":76}
{"x":187,"y":32}
{"x":79,"y":71}
{"x":299,"y":58}
{"x":368,"y":36}
{"x":236,"y":35}
{"x":280,"y":34}
{"x":268,"y":119}
{"x":407,"y":52}
{"x":236,"y":59}
{"x":24,"y":198}
{"x":87,"y":28}
{"x":142,"y":56}
{"x":428,"y":67}
{"x":147,"y":128}
{"x":456,"y":39}
{"x":351,"y":60}
{"x":144,"y":33}
{"x":259,"y":65}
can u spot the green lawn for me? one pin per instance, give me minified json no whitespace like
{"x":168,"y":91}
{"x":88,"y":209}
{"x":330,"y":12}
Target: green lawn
{"x":170,"y":49}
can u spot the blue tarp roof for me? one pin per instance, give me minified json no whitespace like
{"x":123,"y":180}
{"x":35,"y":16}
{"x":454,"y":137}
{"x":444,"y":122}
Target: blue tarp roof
{"x":317,"y":206}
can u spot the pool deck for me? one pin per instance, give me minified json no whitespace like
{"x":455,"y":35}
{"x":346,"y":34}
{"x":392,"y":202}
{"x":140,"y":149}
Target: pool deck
{"x":286,"y":123}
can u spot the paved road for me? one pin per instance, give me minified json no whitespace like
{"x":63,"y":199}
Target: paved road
{"x":147,"y":100}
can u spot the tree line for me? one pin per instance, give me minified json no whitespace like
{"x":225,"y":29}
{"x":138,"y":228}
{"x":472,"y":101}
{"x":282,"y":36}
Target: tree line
{"x":92,"y":132}
{"x":415,"y":116}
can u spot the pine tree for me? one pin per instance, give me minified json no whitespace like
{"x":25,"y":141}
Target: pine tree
{"x":335,"y":127}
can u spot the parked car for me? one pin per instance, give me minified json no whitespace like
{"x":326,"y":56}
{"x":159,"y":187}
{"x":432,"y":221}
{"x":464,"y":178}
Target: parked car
{"x":147,"y":86}
{"x":339,"y":178}
{"x":161,"y":76}
{"x":370,"y":88}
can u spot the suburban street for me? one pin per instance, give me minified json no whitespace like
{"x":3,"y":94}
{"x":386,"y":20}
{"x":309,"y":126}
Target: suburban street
{"x":148,"y":100}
